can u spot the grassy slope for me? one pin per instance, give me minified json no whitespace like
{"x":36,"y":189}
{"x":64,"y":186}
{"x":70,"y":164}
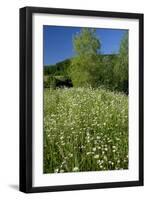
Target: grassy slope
{"x":85,"y":130}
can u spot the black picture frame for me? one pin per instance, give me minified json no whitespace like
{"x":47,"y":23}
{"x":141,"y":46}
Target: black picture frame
{"x":26,"y":76}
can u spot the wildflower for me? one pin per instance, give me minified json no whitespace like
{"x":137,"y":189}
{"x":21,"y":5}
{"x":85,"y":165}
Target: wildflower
{"x":96,"y":156}
{"x":88,"y":153}
{"x":70,"y":155}
{"x":98,"y":137}
{"x":62,"y":137}
{"x":56,"y":170}
{"x":75,"y":169}
{"x":94,"y":149}
{"x":105,"y":158}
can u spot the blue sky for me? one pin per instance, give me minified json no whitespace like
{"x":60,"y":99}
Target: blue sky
{"x":57,"y":42}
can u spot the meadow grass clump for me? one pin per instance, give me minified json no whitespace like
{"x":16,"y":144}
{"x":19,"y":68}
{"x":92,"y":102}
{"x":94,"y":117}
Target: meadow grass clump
{"x":85,"y":129}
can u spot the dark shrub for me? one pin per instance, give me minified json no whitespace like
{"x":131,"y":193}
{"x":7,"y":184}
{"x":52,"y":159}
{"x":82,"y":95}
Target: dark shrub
{"x":57,"y":81}
{"x":50,"y":82}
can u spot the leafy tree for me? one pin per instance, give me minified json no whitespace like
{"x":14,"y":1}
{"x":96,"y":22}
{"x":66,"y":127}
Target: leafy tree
{"x":84,"y":66}
{"x":121,"y":67}
{"x":107,"y":74}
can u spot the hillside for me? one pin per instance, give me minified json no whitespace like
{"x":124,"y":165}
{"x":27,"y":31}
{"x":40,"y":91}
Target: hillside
{"x":57,"y":69}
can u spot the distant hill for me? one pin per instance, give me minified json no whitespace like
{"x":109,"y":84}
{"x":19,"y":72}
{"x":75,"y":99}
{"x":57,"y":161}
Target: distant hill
{"x":59,"y":69}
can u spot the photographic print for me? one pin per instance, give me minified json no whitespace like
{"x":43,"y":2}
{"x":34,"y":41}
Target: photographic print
{"x":85,"y":99}
{"x":81,"y":99}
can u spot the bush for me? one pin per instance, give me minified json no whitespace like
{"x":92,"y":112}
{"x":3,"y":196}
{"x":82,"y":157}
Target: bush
{"x":50,"y":82}
{"x":57,"y":82}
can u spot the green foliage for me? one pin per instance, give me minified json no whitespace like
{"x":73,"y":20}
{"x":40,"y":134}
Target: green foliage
{"x":84,"y":69}
{"x":85,"y":129}
{"x":107,"y":71}
{"x":121,"y":67}
{"x":49,"y":82}
{"x":56,"y":81}
{"x":86,"y":42}
{"x":59,"y":69}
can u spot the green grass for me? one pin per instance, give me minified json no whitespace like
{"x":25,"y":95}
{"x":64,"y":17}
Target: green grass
{"x":85,"y":130}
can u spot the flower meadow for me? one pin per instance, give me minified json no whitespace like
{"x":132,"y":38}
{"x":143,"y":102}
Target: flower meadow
{"x":85,"y":129}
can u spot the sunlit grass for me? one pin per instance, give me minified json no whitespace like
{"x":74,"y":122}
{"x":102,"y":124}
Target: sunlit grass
{"x":85,"y":130}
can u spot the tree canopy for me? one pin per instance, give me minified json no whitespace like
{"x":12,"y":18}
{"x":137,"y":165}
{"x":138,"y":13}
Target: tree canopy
{"x":121,"y":67}
{"x":84,"y":66}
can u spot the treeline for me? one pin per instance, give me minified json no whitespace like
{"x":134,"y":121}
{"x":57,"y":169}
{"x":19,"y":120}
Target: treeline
{"x":90,"y":68}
